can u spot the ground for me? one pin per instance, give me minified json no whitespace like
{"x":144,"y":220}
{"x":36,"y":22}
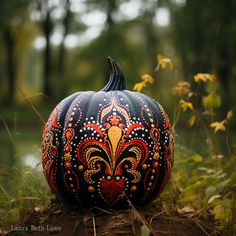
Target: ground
{"x":149,"y":220}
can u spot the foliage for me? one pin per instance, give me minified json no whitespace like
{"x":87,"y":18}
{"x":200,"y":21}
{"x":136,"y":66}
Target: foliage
{"x":147,"y":79}
{"x":200,"y":182}
{"x":23,"y":190}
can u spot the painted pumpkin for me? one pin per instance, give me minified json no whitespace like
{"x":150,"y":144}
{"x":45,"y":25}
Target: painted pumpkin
{"x":100,"y":148}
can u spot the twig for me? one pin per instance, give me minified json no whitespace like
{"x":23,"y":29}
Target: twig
{"x":94,"y":227}
{"x":227,"y":141}
{"x":200,"y":227}
{"x":141,"y":218}
{"x":8,"y":131}
{"x":103,"y":210}
{"x":159,"y":213}
{"x":31,"y":104}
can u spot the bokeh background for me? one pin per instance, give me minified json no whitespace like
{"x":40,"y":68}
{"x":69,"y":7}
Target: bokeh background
{"x":52,"y":48}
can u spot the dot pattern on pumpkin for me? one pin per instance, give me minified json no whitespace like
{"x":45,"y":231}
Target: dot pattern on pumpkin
{"x":101,"y":147}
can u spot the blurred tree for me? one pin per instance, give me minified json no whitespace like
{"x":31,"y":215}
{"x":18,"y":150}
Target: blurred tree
{"x":203,"y":37}
{"x":66,"y":26}
{"x":45,"y":8}
{"x":12,"y":14}
{"x":149,"y":30}
{"x":225,"y":50}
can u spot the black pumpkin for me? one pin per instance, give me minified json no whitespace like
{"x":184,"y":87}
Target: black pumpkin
{"x":100,"y":148}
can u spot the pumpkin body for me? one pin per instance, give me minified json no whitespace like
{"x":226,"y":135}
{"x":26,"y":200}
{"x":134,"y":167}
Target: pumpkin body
{"x":100,"y":148}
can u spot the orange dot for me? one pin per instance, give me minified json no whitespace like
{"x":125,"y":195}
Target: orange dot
{"x":152,"y":177}
{"x":144,"y":166}
{"x":67,"y":156}
{"x":133,"y":188}
{"x":67,"y":148}
{"x":91,"y":189}
{"x":68,"y":135}
{"x":153,"y":171}
{"x":80,"y":167}
{"x":149,"y":184}
{"x":68,"y":164}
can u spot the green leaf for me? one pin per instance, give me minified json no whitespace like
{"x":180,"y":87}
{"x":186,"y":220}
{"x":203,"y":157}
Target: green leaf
{"x":227,"y":202}
{"x":211,"y":101}
{"x":223,"y":211}
{"x":195,"y":158}
{"x":213,"y":198}
{"x":210,"y":191}
{"x":193,"y":186}
{"x":145,"y":231}
{"x":222,"y":185}
{"x":209,"y":171}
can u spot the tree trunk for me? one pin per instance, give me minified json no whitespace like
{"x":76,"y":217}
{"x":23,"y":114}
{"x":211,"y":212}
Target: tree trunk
{"x":47,"y":29}
{"x":10,"y":64}
{"x":62,"y":52}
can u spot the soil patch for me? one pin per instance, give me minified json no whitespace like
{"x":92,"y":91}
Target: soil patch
{"x":63,"y":220}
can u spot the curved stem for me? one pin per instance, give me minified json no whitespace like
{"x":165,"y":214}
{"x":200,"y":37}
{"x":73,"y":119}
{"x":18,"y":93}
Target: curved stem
{"x":116,"y":79}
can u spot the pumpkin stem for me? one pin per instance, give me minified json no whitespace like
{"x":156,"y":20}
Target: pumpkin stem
{"x":116,"y":80}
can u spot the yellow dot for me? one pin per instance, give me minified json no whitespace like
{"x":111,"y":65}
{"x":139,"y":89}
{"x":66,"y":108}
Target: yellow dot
{"x":152,"y":177}
{"x":72,"y":113}
{"x":71,"y":118}
{"x":70,"y":179}
{"x":91,"y":189}
{"x":156,"y":155}
{"x":149,"y":114}
{"x":72,"y":185}
{"x":152,"y":125}
{"x":151,"y":119}
{"x":153,"y":171}
{"x":67,"y":156}
{"x":70,"y":124}
{"x":144,"y":166}
{"x":80,"y":167}
{"x":133,"y":188}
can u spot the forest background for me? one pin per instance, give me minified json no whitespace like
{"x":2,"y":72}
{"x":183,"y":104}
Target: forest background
{"x":50,"y":49}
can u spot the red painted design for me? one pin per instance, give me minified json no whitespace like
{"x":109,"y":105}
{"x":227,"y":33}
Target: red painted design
{"x":112,"y":189}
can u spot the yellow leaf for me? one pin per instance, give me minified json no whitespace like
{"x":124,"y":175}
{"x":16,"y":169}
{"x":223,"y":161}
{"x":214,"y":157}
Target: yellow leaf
{"x":181,"y":88}
{"x":211,"y":101}
{"x":148,"y":79}
{"x":163,"y":62}
{"x":139,"y":86}
{"x":218,"y":126}
{"x":204,"y":77}
{"x":192,"y":120}
{"x":229,"y":115}
{"x":185,"y":105}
